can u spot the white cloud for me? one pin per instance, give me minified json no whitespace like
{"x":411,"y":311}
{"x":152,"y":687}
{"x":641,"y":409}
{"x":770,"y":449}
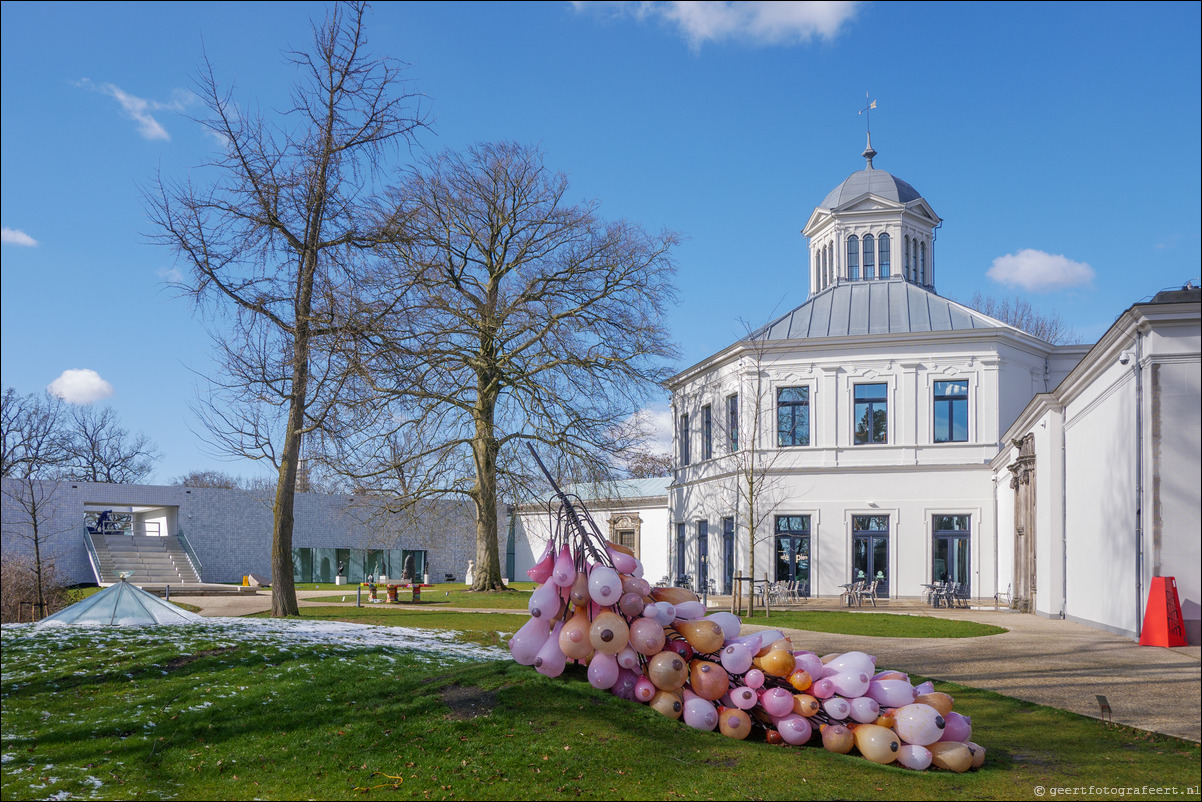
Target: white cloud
{"x":656,"y":422}
{"x":170,"y":274}
{"x":139,"y":109}
{"x":15,"y":236}
{"x":1037,"y":271}
{"x":80,"y":386}
{"x":757,"y":23}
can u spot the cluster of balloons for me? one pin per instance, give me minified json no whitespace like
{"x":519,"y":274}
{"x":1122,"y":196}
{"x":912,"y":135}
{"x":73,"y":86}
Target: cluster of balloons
{"x":658,"y":646}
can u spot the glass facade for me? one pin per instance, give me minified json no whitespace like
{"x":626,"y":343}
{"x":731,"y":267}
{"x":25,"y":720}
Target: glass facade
{"x":358,"y":565}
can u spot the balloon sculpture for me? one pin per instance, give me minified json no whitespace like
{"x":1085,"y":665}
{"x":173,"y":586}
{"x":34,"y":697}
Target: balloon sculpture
{"x":658,"y":646}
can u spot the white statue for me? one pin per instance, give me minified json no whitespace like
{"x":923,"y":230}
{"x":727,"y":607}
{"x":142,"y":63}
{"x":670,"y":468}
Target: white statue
{"x":471,"y":569}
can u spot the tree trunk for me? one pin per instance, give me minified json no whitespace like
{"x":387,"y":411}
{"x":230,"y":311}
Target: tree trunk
{"x":484,"y":450}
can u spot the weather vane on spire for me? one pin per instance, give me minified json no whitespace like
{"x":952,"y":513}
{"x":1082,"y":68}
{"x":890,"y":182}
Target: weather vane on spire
{"x":867,"y":112}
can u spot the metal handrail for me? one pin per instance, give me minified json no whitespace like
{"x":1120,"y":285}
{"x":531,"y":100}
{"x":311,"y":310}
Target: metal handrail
{"x":93,"y":555}
{"x":188,"y":552}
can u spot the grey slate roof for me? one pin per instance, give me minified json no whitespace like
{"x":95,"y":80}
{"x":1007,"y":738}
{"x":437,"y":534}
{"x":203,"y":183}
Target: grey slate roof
{"x":878,"y":182}
{"x":622,"y":488}
{"x":891,"y":306}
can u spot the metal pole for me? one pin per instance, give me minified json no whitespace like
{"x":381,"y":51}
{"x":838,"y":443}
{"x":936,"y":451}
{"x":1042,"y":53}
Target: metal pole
{"x":167,"y":593}
{"x":359,"y":595}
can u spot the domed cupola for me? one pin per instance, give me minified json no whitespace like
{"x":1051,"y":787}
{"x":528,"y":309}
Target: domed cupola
{"x":872,"y":227}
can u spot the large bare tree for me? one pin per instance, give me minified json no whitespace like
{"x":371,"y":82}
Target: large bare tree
{"x":276,"y":242}
{"x":530,"y":319}
{"x":99,"y":449}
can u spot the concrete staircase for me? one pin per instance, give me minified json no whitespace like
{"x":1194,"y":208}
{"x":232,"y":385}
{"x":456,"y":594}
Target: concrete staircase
{"x":155,"y":560}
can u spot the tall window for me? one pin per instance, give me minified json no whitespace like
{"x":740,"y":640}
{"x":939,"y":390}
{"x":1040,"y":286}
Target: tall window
{"x":680,"y":556}
{"x":684,"y":440}
{"x":922,"y":263}
{"x":870,"y":550}
{"x":869,"y":258}
{"x":707,"y":433}
{"x":728,"y":555}
{"x":950,"y":551}
{"x":882,"y":246}
{"x":732,"y":423}
{"x":914,"y":248}
{"x":826,"y":265}
{"x":703,"y":556}
{"x":793,"y":551}
{"x":906,"y":256}
{"x":853,"y":258}
{"x":793,"y":416}
{"x":872,"y":419}
{"x":951,"y":412}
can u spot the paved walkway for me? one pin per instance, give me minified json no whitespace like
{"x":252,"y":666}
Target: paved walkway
{"x":1046,"y":661}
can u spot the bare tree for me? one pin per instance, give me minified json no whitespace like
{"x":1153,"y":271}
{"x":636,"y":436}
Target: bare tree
{"x":756,"y":456}
{"x":100,"y":450}
{"x":277,"y":243}
{"x":648,"y":464}
{"x":217,"y":479}
{"x":530,"y":320}
{"x":1018,"y":312}
{"x":35,"y":452}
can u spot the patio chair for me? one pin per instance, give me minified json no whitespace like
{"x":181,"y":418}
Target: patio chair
{"x":867,"y":592}
{"x":851,"y":593}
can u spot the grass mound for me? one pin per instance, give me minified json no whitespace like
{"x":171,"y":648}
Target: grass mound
{"x":373,"y":713}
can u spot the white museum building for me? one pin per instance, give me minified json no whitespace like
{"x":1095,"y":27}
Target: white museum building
{"x":877,"y":432}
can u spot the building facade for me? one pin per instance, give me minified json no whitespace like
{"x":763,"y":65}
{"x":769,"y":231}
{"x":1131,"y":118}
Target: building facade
{"x":859,"y":436}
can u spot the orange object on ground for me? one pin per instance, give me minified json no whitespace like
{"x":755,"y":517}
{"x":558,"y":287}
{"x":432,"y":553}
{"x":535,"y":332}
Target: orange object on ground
{"x":1162,"y":616}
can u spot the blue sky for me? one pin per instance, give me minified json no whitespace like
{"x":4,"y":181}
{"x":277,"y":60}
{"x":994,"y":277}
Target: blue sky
{"x":1059,"y":142}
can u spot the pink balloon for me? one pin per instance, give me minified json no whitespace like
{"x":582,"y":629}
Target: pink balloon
{"x":729,"y":622}
{"x":736,"y":658}
{"x":526,"y":642}
{"x":914,"y":757}
{"x":644,"y":689}
{"x":823,"y":689}
{"x":631,"y":605}
{"x":850,"y":684}
{"x":544,"y":601}
{"x":603,"y":671}
{"x":837,"y":707}
{"x":891,"y":692}
{"x":865,"y":709}
{"x":794,"y":729}
{"x":628,"y":657}
{"x":541,"y":571}
{"x":550,"y":660}
{"x":604,"y":585}
{"x":690,"y":610}
{"x":622,"y":561}
{"x":698,"y":713}
{"x":856,"y":662}
{"x":810,"y":663}
{"x":754,"y":678}
{"x":647,"y":636}
{"x":624,"y":687}
{"x":956,"y":727}
{"x":776,"y":701}
{"x":743,"y":697}
{"x":919,"y":724}
{"x":564,"y":572}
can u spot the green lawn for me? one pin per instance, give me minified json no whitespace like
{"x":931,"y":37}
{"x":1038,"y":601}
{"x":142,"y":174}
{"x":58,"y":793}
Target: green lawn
{"x":885,"y":625}
{"x":448,"y":595}
{"x":196,"y":714}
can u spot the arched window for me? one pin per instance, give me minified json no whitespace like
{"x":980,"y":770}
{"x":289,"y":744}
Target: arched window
{"x":853,"y":258}
{"x":869,"y":258}
{"x":914,"y":248}
{"x":882,"y":246}
{"x":906,"y":256}
{"x":922,"y":264}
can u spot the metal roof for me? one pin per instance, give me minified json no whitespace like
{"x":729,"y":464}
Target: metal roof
{"x":876,"y":182}
{"x":621,"y":489}
{"x":889,"y":306}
